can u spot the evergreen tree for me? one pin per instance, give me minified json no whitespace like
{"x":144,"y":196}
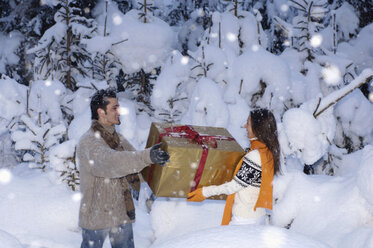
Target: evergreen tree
{"x":62,"y":159}
{"x":30,"y":18}
{"x":139,"y":86}
{"x":43,"y":125}
{"x":106,"y":66}
{"x":36,"y":137}
{"x":169,"y":97}
{"x":146,"y":7}
{"x":307,"y":24}
{"x":59,"y":53}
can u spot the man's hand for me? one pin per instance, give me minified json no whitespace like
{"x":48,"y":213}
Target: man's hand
{"x":196,"y":195}
{"x":158,"y":156}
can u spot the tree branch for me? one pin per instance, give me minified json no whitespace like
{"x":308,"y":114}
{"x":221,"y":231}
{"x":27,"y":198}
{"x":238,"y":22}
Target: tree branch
{"x":331,"y":99}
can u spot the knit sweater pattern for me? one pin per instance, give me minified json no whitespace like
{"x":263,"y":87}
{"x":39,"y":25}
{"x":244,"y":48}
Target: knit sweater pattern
{"x":246,"y":186}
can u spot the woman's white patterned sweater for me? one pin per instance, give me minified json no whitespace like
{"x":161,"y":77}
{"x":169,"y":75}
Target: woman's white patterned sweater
{"x":246,"y":185}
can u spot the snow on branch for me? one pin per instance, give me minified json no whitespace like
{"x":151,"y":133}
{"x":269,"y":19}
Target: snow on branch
{"x":286,"y":28}
{"x":331,"y":99}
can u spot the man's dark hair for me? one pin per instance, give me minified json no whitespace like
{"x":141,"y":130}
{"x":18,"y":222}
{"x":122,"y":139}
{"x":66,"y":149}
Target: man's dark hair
{"x":99,"y":100}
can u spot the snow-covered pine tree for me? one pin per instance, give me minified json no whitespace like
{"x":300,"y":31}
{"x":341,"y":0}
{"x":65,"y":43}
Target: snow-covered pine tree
{"x":191,"y":32}
{"x":354,"y":129}
{"x":202,"y":65}
{"x":276,"y":16}
{"x":307,"y":24}
{"x":23,"y":22}
{"x":235,"y":7}
{"x":140,"y":86}
{"x":37,"y":138}
{"x":146,"y":48}
{"x":42,"y":126}
{"x":146,"y":7}
{"x":303,"y":33}
{"x":62,"y":159}
{"x":169,"y":97}
{"x":59,"y":53}
{"x":105,"y":65}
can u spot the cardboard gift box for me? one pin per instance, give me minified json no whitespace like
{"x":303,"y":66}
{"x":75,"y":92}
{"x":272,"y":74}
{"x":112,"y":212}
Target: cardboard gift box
{"x":199,"y":156}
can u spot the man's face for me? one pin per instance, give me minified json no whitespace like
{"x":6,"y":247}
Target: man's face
{"x":110,"y":117}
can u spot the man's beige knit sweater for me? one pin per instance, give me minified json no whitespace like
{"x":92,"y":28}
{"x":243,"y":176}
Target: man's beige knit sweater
{"x":101,"y":179}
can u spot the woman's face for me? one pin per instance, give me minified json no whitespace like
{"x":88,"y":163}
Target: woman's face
{"x":250,"y":133}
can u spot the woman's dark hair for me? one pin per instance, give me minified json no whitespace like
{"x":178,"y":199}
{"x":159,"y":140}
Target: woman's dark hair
{"x":99,"y":100}
{"x":264,"y":127}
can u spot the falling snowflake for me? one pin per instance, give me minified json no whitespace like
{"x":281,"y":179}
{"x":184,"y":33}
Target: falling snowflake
{"x":184,"y":60}
{"x":193,"y":165}
{"x":97,"y":135}
{"x":331,"y":74}
{"x":284,"y":7}
{"x":316,"y":198}
{"x":192,"y":184}
{"x":201,"y":12}
{"x":231,"y":37}
{"x":123,"y":111}
{"x":316,"y":40}
{"x":77,"y":197}
{"x":255,"y":48}
{"x":117,"y":20}
{"x":5,"y":176}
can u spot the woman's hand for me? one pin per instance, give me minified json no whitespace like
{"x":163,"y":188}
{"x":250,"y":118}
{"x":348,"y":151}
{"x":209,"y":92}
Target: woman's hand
{"x":196,"y":195}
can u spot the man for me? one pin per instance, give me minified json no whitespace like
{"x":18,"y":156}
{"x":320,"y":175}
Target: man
{"x":108,"y":164}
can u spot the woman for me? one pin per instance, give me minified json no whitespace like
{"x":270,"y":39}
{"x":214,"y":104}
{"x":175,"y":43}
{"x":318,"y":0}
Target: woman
{"x":250,"y":191}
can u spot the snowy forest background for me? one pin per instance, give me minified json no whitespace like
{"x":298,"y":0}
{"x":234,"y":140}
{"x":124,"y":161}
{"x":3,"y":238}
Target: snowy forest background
{"x":194,"y":62}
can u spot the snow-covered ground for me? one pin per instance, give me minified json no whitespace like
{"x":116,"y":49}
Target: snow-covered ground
{"x":322,"y":211}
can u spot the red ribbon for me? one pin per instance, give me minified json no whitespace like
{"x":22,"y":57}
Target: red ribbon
{"x":188,"y":132}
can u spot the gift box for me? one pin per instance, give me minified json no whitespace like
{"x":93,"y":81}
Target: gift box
{"x":199,"y":156}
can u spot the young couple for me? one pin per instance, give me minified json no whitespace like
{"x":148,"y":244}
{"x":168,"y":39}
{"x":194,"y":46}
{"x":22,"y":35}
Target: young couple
{"x":109,"y":168}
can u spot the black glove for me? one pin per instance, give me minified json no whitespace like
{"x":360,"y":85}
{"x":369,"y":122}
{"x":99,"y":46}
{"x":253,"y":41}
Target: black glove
{"x":158,"y":156}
